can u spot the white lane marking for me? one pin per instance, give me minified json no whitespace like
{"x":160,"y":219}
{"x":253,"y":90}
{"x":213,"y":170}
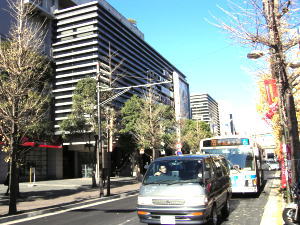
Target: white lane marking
{"x":67,"y":210}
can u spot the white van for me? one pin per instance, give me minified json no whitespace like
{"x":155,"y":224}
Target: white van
{"x":190,"y":189}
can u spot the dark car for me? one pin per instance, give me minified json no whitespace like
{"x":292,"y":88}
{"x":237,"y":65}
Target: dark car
{"x":189,"y":189}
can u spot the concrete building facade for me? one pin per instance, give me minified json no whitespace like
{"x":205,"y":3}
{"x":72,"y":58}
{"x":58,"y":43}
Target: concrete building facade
{"x":205,"y":108}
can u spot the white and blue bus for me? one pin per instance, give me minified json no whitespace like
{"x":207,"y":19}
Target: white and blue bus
{"x":244,"y":157}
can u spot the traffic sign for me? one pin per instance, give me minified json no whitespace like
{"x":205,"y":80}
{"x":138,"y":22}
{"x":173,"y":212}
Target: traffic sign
{"x":178,"y":145}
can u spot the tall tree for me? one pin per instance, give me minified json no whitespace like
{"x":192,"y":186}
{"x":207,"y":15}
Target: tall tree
{"x":150,"y":130}
{"x":83,"y":118}
{"x":23,"y":86}
{"x":271,"y":27}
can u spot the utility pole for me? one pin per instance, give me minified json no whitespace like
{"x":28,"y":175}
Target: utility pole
{"x":99,"y":141}
{"x":150,"y":96}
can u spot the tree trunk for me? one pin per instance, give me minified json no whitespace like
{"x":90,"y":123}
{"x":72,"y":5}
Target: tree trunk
{"x":292,"y":126}
{"x":94,"y":183}
{"x":13,"y":184}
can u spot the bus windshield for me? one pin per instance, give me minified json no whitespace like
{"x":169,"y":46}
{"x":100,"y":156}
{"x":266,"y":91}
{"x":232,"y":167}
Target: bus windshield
{"x":242,"y":158}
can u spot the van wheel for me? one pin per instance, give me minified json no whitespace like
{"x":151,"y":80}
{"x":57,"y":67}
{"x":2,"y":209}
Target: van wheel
{"x":213,"y":220}
{"x":226,"y":209}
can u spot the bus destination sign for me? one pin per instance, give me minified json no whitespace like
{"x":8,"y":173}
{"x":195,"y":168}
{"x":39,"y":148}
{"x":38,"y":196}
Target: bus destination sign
{"x":226,"y":142}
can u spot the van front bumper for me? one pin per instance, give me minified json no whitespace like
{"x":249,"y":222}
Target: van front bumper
{"x":155,"y":215}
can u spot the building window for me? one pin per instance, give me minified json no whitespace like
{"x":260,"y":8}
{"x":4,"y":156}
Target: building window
{"x":85,"y":34}
{"x":85,"y":28}
{"x":67,"y":38}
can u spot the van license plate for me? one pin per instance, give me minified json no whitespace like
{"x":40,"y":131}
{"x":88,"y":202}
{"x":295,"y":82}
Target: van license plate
{"x":167,"y":219}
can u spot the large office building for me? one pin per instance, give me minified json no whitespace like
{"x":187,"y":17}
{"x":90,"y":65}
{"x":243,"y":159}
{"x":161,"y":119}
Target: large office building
{"x":85,"y":35}
{"x":205,"y":108}
{"x":80,"y":36}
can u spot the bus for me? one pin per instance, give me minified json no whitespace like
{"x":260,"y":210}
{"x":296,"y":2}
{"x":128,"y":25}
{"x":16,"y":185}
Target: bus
{"x":245,"y":159}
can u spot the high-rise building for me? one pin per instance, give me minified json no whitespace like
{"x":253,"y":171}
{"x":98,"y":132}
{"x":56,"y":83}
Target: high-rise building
{"x":205,"y":108}
{"x":79,"y":36}
{"x":85,"y":35}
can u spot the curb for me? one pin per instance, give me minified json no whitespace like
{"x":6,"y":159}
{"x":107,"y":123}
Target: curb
{"x":65,"y":206}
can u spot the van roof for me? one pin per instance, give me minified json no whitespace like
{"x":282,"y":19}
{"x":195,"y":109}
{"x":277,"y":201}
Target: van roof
{"x":174,"y":157}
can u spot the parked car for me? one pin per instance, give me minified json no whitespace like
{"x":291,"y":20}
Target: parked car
{"x":188,"y":189}
{"x":270,"y":165}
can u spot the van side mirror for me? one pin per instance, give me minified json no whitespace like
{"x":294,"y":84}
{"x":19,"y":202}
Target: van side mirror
{"x":146,"y":166}
{"x":206,"y":175}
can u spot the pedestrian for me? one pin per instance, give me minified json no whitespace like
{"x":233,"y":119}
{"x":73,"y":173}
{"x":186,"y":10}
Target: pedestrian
{"x":6,"y":183}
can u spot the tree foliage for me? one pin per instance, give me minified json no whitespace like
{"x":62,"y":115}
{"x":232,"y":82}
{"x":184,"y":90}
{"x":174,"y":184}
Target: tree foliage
{"x":192,"y":132}
{"x":149,"y":129}
{"x":84,"y":109}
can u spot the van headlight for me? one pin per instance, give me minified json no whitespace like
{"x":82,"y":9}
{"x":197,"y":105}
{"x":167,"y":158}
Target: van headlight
{"x":195,"y":201}
{"x":144,"y":200}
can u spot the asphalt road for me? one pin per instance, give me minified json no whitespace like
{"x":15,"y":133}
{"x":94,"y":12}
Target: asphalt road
{"x":245,"y":210}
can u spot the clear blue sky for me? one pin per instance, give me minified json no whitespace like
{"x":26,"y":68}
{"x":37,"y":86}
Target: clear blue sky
{"x":211,"y":62}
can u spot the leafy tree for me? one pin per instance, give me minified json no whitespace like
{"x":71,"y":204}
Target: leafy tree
{"x":83,"y":118}
{"x":84,"y":109}
{"x":24,"y":90}
{"x":150,"y":128}
{"x":192,"y":132}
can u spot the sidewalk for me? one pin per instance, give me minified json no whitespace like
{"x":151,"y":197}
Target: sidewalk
{"x":275,"y":204}
{"x":44,"y":195}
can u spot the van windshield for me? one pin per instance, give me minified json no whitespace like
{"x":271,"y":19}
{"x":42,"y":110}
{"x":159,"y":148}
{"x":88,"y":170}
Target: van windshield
{"x":174,"y":171}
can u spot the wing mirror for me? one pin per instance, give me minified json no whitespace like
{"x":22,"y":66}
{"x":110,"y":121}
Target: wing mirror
{"x":206,"y":175}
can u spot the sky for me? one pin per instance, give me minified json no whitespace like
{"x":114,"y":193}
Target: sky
{"x":180,"y":32}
